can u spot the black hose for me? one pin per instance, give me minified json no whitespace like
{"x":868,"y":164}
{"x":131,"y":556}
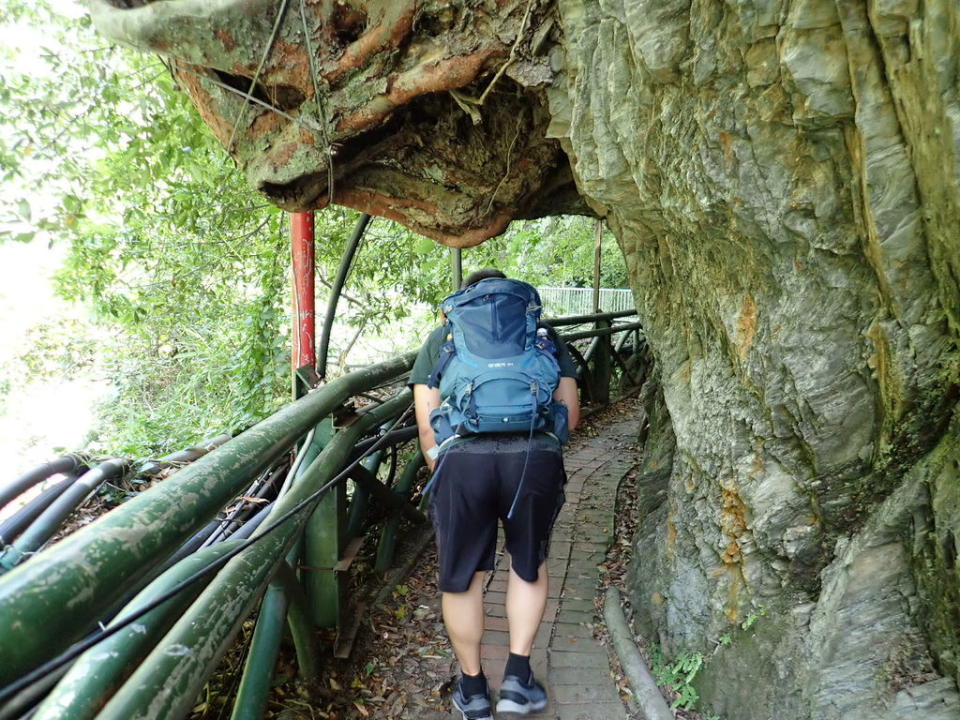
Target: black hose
{"x":392,"y":438}
{"x":25,"y":703}
{"x":345,"y":261}
{"x":392,"y":472}
{"x":182,"y":457}
{"x":190,"y":546}
{"x":246,"y":530}
{"x":65,"y":464}
{"x":46,"y":526}
{"x":226,"y":520}
{"x":262,"y":487}
{"x":15,"y":524}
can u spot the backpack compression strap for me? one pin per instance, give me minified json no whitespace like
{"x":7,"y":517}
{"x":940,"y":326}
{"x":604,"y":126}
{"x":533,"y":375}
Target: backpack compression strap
{"x":446,"y":355}
{"x":526,"y":459}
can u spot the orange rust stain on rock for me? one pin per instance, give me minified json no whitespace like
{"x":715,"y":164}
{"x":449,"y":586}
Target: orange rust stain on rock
{"x":447,"y":74}
{"x":443,"y":75}
{"x":290,"y":65}
{"x":189,"y":78}
{"x":746,"y":326}
{"x":733,"y":514}
{"x":381,"y":35}
{"x":229,"y":43}
{"x":726,"y":142}
{"x":283,"y":154}
{"x":731,"y":554}
{"x":394,"y":209}
{"x":265,"y":123}
{"x":671,"y":533}
{"x":732,"y":610}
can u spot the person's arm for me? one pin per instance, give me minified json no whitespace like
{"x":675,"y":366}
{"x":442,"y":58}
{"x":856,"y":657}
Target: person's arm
{"x":566,"y":393}
{"x":426,"y":399}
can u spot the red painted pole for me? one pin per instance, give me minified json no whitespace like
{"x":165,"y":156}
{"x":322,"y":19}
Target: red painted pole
{"x":304,"y":313}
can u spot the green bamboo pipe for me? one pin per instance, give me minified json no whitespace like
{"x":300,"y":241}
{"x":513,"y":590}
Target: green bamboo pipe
{"x":357,"y":510}
{"x":57,"y":596}
{"x":388,"y":537}
{"x":167,"y":682}
{"x":251,"y":700}
{"x":284,"y":599}
{"x":97,"y":673}
{"x":301,"y":628}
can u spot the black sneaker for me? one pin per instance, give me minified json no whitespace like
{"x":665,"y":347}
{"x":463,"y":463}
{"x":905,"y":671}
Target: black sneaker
{"x":521,"y":698}
{"x":475,"y":707}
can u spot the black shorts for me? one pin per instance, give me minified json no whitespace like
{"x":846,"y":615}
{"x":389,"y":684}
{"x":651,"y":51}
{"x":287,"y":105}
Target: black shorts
{"x":476,"y":486}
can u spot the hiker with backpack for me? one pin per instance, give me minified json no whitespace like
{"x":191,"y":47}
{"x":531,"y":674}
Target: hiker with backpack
{"x":495,"y":396}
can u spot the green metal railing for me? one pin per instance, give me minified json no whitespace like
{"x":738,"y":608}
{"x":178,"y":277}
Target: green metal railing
{"x":137,"y":634}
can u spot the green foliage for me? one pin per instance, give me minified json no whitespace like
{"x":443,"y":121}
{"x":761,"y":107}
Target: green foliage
{"x":183,"y":264}
{"x":678,"y":675}
{"x":556,"y":251}
{"x":752,"y":618}
{"x":167,"y":245}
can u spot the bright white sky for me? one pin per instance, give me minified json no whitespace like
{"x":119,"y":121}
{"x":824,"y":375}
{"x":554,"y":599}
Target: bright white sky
{"x":46,"y":413}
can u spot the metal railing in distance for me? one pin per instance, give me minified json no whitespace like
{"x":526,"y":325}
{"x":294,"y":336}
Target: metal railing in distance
{"x":615,"y":360}
{"x":579,"y":301}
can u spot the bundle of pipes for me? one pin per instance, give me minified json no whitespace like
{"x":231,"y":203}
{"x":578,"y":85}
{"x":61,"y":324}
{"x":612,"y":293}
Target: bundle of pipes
{"x":153,"y":541}
{"x":27,"y":530}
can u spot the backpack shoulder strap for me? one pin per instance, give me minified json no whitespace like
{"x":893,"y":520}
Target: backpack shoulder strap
{"x":447,"y":351}
{"x":545,"y":341}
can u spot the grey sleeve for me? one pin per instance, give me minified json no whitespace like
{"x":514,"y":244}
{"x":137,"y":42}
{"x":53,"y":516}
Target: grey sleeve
{"x":568,"y":368}
{"x":427,"y":358}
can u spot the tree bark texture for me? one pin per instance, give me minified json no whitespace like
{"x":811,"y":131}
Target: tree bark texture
{"x":378,"y":101}
{"x":783,"y":177}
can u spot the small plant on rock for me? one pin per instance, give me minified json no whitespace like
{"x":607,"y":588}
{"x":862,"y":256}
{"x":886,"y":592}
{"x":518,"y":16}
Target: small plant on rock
{"x":678,"y":675}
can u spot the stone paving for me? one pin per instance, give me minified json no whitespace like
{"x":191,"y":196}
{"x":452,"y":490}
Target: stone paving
{"x":567,"y":659}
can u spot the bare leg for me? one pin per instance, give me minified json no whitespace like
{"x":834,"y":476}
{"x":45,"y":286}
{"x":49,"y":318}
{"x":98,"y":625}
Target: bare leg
{"x":463,"y":616}
{"x":525,"y":604}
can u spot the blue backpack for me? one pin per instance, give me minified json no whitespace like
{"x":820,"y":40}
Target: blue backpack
{"x":496,"y":372}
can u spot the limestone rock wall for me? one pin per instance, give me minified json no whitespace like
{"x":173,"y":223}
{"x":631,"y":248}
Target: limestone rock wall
{"x":783,"y":179}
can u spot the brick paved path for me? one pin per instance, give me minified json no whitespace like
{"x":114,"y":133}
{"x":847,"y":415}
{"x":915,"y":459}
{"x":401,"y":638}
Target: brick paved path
{"x":571,"y":664}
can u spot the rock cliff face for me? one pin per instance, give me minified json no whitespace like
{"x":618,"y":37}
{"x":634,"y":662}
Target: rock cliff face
{"x":783,"y":177}
{"x":783,"y":180}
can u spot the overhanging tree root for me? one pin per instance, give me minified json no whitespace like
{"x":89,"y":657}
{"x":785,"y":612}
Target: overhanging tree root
{"x":367,"y":98}
{"x":645,"y":690}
